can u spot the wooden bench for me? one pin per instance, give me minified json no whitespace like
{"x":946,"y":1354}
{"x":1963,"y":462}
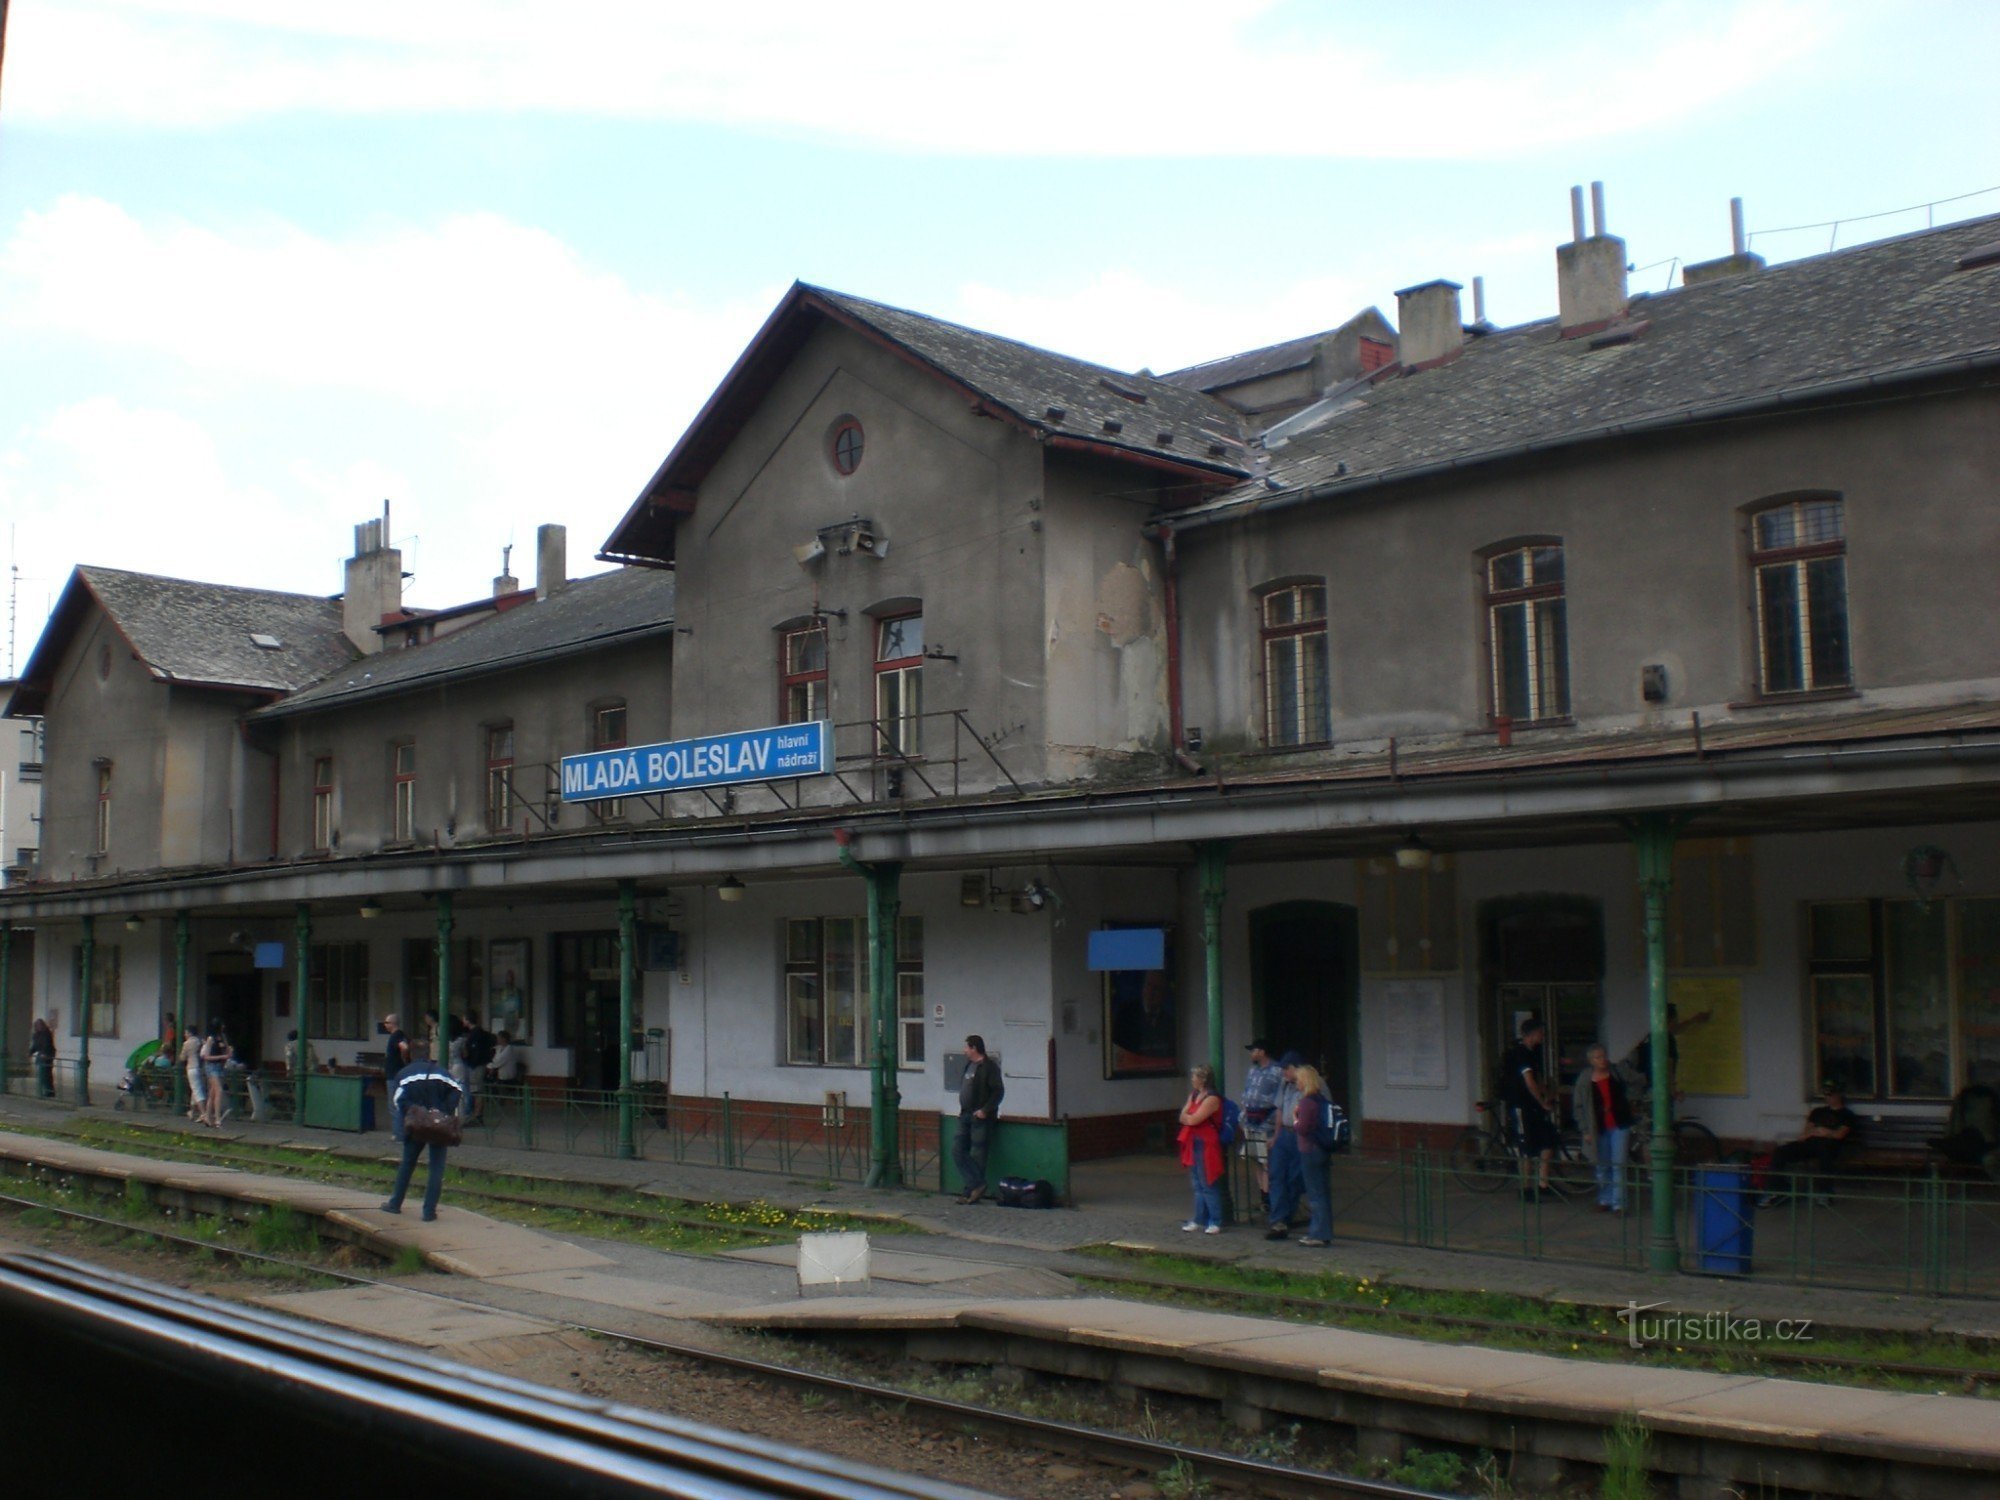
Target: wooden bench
{"x":1896,"y":1142}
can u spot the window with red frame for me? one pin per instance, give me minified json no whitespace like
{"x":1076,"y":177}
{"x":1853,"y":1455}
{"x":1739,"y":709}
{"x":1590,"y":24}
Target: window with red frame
{"x":1292,"y":639}
{"x":607,"y":732}
{"x":403,"y":781}
{"x":847,"y":446}
{"x":500,"y":777}
{"x":322,"y":802}
{"x":899,"y":684}
{"x":1798,"y":563}
{"x":101,"y":839}
{"x":802,"y":674}
{"x":1527,"y":621}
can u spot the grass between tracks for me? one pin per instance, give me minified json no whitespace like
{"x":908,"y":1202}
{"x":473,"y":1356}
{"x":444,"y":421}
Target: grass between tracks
{"x":559,"y":1207}
{"x":1572,"y":1330}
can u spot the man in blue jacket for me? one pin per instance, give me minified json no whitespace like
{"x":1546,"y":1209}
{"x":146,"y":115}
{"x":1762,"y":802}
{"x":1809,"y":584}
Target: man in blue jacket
{"x":420,"y":1086}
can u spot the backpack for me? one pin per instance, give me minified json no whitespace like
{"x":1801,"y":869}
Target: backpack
{"x":478,"y":1048}
{"x":1019,"y":1192}
{"x":1334,"y":1131}
{"x":1230,"y":1124}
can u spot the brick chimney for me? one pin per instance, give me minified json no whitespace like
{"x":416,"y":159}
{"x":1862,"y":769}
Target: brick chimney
{"x":551,"y":560}
{"x":1429,"y":329}
{"x":374,"y":584}
{"x":1739,"y":261}
{"x":1590,"y":273}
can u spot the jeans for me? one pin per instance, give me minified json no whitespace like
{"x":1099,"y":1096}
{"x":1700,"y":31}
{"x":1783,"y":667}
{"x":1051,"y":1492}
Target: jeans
{"x":968,"y":1151}
{"x":1286,"y":1182}
{"x":1612,"y":1148}
{"x":45,"y":1076}
{"x":433,"y":1184}
{"x":1207,"y":1195}
{"x":1317,"y":1178}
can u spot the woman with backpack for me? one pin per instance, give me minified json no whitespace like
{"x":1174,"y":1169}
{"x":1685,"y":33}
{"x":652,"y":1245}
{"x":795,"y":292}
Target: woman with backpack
{"x":1201,"y":1150}
{"x":1314,"y":1126}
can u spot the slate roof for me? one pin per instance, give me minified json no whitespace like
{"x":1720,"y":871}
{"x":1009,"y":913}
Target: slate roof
{"x":1252,"y":364}
{"x":195,"y":633}
{"x":1168,"y":421}
{"x":586,"y":614}
{"x":1792,"y":333}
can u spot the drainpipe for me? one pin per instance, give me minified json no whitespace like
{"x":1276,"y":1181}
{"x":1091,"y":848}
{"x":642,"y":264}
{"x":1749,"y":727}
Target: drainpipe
{"x":86,"y":956}
{"x":1171,"y":598}
{"x":885,"y":1167}
{"x":441,"y":1053}
{"x":1653,"y":833}
{"x":628,"y":961}
{"x":180,"y":1006}
{"x":302,"y":936}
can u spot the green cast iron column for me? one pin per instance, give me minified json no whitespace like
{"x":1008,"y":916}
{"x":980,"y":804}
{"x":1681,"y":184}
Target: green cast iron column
{"x":885,"y":906}
{"x":1213,"y":860}
{"x":6,"y":996}
{"x":1654,"y":835}
{"x":628,"y":964}
{"x":302,"y":936}
{"x":180,"y":1007}
{"x":87,"y":956}
{"x":441,"y":1059}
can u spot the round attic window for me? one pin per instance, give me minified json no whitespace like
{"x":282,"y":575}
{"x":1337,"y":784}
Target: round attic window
{"x":104,"y":662}
{"x":847,"y":446}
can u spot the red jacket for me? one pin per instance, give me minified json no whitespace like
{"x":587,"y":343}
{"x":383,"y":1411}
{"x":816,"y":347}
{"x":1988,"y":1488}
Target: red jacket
{"x":1207,"y":1133}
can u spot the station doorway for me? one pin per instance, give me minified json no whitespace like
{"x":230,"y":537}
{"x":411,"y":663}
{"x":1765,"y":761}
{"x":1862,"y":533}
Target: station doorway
{"x":1305,"y":976}
{"x":233,"y":993}
{"x":1542,"y":955}
{"x":585,"y":1011}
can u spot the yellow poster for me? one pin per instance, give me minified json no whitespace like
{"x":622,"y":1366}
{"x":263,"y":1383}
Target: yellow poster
{"x":1711,"y":1048}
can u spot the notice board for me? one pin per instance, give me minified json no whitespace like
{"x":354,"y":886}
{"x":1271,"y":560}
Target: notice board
{"x":1711,"y":1051}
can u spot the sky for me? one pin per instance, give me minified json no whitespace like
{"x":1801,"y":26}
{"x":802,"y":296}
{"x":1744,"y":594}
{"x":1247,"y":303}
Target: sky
{"x":264,"y":266}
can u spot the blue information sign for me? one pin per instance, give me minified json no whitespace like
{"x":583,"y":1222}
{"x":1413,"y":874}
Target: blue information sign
{"x":791,"y":750}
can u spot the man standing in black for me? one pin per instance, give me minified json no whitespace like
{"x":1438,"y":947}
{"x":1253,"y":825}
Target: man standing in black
{"x":1526,"y":1098}
{"x":979,"y":1093}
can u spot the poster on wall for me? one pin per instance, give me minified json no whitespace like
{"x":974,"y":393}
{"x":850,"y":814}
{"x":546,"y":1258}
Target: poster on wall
{"x":510,"y":985}
{"x":1711,"y":1050}
{"x":1141,"y":1017}
{"x":1413,"y":1033}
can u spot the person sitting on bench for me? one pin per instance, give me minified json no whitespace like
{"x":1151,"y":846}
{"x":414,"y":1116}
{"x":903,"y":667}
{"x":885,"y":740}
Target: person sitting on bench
{"x":1972,"y":1133}
{"x":1831,"y":1133}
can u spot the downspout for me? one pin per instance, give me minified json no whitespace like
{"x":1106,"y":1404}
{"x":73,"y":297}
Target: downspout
{"x":1170,"y":594}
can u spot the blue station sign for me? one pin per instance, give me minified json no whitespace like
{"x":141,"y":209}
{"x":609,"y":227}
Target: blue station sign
{"x":789,"y":751}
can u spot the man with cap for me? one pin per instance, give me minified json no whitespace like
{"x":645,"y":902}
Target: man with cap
{"x":1260,"y":1105}
{"x":1287,"y":1172}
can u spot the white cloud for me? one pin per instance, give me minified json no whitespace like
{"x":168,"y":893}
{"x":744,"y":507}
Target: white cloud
{"x":1180,"y":77}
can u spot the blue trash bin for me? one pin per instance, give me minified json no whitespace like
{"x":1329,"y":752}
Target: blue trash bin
{"x":1725,"y":1218}
{"x":367,"y":1109}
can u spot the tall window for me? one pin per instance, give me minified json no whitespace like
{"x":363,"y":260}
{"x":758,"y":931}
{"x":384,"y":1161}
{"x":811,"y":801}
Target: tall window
{"x":1527,"y":624}
{"x":99,"y":1008}
{"x":607,"y":732}
{"x":500,"y":777}
{"x":403,"y":793}
{"x":802,"y":674}
{"x":1293,"y":639}
{"x":827,"y":1020}
{"x":337,"y":991}
{"x":322,"y":805}
{"x":101,"y":828}
{"x":899,"y":683}
{"x":1798,"y":565}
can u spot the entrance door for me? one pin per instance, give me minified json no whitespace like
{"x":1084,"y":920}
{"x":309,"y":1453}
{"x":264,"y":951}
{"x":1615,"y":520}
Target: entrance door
{"x":234,"y":995}
{"x":1543,"y":956}
{"x":586,"y":1005}
{"x":1304,"y":975}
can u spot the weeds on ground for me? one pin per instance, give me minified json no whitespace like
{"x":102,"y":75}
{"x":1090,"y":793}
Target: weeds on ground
{"x":1628,"y":1459}
{"x":409,"y":1261}
{"x":1179,"y":1481}
{"x":279,"y":1231}
{"x":1425,"y":1470}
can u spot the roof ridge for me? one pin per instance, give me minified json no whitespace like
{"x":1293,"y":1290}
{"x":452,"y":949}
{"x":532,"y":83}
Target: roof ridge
{"x":101,"y":570}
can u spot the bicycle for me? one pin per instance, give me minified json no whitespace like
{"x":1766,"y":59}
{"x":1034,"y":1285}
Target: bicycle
{"x":1488,"y":1156}
{"x":1695,"y":1145}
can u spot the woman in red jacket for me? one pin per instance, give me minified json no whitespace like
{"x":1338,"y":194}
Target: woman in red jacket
{"x":1201,"y":1150}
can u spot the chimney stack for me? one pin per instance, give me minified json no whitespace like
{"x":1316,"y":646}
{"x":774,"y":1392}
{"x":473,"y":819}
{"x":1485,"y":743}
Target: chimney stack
{"x":1590,"y":273}
{"x":551,"y":560}
{"x":506,"y":583}
{"x":1738,"y":262}
{"x":374,"y":584}
{"x":1428,"y":328}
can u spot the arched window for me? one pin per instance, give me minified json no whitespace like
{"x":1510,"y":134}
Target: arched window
{"x":1798,"y":567}
{"x":1527,"y":632}
{"x":802,"y":696}
{"x":1292,"y":641}
{"x":899,"y":683}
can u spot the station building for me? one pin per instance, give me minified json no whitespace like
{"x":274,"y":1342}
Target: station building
{"x":1383,"y":674}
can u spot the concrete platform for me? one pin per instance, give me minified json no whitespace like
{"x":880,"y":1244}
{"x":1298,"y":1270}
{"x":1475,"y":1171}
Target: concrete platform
{"x":408,"y":1317}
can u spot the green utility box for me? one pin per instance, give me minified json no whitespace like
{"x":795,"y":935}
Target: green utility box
{"x":1034,"y":1149}
{"x":334,"y":1101}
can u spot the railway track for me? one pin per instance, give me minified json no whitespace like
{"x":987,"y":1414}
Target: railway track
{"x":1143,"y":1455}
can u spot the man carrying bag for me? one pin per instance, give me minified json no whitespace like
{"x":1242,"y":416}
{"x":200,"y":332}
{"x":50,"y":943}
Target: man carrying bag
{"x":423,"y":1111}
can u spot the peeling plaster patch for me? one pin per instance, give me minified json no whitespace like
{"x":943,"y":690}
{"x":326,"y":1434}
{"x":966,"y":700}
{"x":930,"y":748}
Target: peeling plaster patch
{"x":1124,"y":604}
